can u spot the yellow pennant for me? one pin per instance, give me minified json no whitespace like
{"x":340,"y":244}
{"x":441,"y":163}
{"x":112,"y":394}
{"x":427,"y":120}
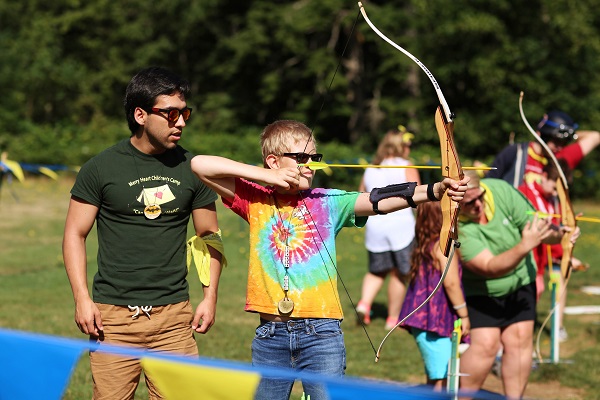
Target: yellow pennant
{"x":182,"y":381}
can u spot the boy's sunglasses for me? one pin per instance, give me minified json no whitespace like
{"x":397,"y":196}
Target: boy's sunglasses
{"x":174,"y":113}
{"x":302,"y":158}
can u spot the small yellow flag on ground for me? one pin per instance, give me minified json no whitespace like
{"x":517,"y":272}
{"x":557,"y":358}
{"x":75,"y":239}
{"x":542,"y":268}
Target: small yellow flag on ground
{"x":180,"y":381}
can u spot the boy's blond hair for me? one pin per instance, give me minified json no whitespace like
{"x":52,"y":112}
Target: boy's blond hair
{"x":278,"y":137}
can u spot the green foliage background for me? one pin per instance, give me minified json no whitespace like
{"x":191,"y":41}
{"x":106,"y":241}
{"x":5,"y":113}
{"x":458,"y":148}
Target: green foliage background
{"x":65,"y":65}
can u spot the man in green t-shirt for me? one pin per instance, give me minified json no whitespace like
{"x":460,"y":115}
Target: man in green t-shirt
{"x":141,"y":193}
{"x":497,"y":233}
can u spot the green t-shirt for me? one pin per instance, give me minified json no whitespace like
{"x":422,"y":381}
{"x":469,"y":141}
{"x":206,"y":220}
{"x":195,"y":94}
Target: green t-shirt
{"x":141,"y":261}
{"x":501,"y":233}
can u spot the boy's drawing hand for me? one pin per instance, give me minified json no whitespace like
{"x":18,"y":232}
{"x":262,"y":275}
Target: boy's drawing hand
{"x":285,"y":178}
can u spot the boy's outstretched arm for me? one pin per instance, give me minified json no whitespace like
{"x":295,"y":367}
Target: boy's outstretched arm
{"x":219,"y":174}
{"x":448,"y":187}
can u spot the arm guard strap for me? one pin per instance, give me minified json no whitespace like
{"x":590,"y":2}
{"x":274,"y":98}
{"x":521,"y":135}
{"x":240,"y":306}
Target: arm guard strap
{"x":405,"y":190}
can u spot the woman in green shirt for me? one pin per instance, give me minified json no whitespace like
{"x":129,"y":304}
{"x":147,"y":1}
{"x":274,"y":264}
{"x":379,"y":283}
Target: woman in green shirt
{"x":497,"y":235}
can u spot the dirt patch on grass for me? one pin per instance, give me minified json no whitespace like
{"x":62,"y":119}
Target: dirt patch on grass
{"x":538,"y":390}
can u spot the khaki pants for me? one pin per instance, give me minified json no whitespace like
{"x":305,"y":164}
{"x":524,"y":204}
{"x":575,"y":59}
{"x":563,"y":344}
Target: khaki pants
{"x":167,"y":330}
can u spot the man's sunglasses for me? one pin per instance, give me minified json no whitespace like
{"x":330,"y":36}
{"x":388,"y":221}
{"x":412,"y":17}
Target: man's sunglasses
{"x":174,"y":113}
{"x":302,"y":158}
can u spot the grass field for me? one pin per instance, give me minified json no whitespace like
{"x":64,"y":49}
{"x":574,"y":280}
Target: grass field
{"x":35,"y":296}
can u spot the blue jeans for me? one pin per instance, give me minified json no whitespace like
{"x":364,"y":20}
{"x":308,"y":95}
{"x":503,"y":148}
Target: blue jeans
{"x":310,"y":345}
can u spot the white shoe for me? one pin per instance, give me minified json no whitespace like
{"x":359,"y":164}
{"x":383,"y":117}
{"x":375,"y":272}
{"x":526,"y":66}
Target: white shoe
{"x":497,"y":367}
{"x":363,"y":314}
{"x":563,"y":336}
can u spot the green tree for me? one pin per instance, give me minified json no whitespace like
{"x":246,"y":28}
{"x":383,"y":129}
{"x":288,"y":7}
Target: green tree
{"x":65,"y":65}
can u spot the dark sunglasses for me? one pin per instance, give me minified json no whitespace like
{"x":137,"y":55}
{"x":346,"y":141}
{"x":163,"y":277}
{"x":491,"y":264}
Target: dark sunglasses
{"x":302,"y":158}
{"x":174,"y":113}
{"x":472,"y":202}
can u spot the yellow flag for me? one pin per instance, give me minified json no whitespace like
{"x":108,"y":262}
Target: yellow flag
{"x":182,"y":381}
{"x":16,"y":169}
{"x":48,"y":172}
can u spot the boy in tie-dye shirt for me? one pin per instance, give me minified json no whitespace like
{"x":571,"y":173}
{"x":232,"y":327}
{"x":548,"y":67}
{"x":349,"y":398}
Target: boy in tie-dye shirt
{"x":292,"y":276}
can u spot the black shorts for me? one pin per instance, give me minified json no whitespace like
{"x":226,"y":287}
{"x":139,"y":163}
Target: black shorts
{"x":383,"y":263}
{"x":500,"y":312}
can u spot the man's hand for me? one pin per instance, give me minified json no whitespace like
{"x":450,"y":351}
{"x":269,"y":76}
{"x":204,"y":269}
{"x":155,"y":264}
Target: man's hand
{"x":206,"y":312}
{"x":87,"y":317}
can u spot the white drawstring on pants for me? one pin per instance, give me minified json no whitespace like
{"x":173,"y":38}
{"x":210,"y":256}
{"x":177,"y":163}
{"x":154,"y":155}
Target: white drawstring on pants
{"x":145,"y":309}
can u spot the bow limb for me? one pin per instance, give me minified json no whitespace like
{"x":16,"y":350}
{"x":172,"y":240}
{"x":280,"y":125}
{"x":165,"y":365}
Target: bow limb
{"x":438,"y":90}
{"x":433,"y":292}
{"x":451,"y":167}
{"x":568,"y":220}
{"x":537,"y":137}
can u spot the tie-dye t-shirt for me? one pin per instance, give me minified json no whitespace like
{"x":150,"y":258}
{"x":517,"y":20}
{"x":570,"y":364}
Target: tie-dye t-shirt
{"x":309,"y":223}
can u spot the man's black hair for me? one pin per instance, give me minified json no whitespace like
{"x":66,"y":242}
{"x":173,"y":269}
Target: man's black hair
{"x":146,"y":86}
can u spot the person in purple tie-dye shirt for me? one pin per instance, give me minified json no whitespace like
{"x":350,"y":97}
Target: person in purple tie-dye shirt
{"x":433,"y":324}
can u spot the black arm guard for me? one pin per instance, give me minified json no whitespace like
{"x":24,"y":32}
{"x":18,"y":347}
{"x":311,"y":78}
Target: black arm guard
{"x":405,"y":190}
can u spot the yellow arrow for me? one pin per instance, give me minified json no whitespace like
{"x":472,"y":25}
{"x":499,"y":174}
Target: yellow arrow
{"x":322,"y":165}
{"x":585,"y":219}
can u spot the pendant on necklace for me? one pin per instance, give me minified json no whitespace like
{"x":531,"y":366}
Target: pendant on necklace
{"x":152,"y":211}
{"x":285,"y":306}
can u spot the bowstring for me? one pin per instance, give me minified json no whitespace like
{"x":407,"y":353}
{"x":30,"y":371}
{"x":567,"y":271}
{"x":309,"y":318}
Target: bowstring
{"x":328,"y":89}
{"x":429,"y":297}
{"x":559,"y":298}
{"x":331,"y":260}
{"x":325,"y":97}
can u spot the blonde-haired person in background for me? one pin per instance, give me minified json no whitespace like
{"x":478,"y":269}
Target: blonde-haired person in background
{"x":389,"y":250}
